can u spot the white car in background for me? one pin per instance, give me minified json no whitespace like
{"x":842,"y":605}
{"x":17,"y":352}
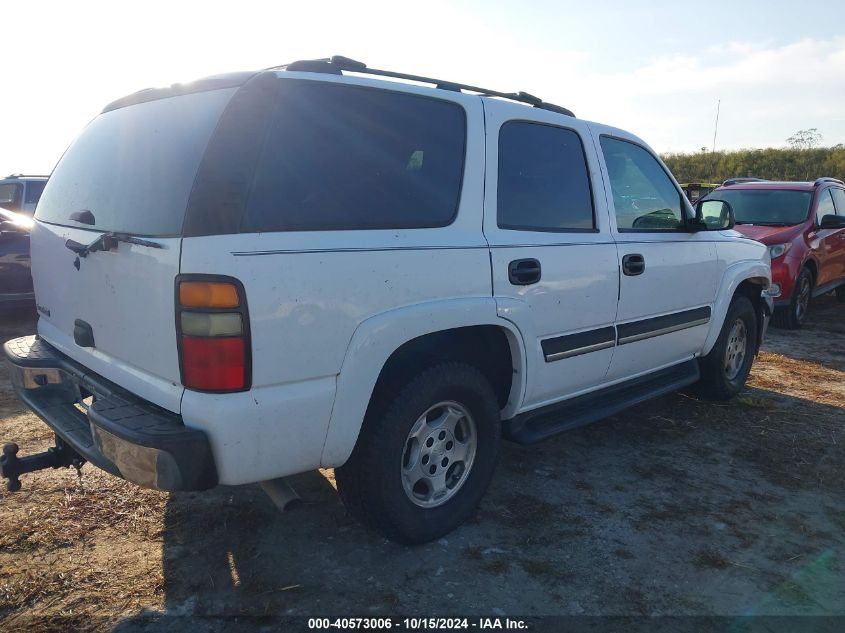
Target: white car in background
{"x":20,"y":193}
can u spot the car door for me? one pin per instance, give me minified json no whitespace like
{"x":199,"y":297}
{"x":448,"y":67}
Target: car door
{"x":838,"y":272}
{"x":826,"y":244}
{"x":668,"y":275}
{"x":553,"y":259}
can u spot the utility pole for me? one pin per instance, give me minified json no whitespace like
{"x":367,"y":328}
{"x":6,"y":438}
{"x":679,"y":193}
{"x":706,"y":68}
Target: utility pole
{"x":715,"y":131}
{"x":716,"y":128}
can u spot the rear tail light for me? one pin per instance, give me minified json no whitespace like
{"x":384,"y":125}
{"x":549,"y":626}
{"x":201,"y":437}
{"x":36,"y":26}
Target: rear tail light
{"x":208,"y":294}
{"x":212,"y":325}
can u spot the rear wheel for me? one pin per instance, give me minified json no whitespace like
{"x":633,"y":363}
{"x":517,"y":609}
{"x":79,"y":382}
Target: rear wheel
{"x":793,"y":315}
{"x":425,"y":455}
{"x":725,"y":369}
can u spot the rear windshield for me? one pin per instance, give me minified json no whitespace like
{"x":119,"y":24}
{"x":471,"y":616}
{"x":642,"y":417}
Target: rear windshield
{"x":133,"y":168}
{"x":766,"y":206}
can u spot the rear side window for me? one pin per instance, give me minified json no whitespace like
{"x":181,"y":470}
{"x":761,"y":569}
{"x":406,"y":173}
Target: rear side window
{"x":543,"y":179}
{"x":345,"y":157}
{"x":133,"y":167}
{"x":33,"y":191}
{"x":10,"y":196}
{"x":644,"y":197}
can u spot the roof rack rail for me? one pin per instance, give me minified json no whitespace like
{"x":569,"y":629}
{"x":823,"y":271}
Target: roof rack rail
{"x":736,"y":181}
{"x":827,"y":179}
{"x":27,"y":176}
{"x":337,"y":64}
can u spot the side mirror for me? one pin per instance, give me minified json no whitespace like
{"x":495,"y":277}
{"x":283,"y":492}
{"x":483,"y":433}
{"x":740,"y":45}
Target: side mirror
{"x":713,"y":215}
{"x":831,"y":221}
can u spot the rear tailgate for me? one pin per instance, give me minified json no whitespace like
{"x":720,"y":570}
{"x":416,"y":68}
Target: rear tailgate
{"x":126,"y":296}
{"x":130,"y":172}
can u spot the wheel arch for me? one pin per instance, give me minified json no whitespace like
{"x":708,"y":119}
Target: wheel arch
{"x":456,"y":329}
{"x":813,"y":266}
{"x":746,"y":278}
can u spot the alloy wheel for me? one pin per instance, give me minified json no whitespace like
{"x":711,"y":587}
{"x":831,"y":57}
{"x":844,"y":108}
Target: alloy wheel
{"x":439,"y":453}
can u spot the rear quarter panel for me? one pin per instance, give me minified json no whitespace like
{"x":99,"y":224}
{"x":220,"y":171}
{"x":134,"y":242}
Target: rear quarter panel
{"x":306,"y":299}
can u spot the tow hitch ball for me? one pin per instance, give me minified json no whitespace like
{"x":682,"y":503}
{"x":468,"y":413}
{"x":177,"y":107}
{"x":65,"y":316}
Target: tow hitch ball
{"x":12,"y":467}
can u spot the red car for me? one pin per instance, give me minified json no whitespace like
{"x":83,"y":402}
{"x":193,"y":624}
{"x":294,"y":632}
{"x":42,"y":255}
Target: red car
{"x":803,"y":224}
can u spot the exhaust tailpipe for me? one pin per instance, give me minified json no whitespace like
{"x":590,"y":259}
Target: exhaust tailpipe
{"x":281,"y":493}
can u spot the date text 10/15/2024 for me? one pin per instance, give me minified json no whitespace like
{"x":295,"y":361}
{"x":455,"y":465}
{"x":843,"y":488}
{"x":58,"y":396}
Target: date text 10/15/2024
{"x":417,"y":624}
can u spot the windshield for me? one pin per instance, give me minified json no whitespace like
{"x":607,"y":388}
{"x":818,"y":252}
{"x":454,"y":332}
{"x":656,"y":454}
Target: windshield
{"x":774,"y":207}
{"x":133,"y":168}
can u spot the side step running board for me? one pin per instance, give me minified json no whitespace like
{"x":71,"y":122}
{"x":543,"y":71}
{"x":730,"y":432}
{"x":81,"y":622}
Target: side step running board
{"x":537,"y":425}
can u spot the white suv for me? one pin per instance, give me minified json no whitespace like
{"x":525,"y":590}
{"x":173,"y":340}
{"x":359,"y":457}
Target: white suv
{"x":260,"y":274}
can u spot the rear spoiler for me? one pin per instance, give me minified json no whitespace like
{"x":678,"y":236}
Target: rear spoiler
{"x":215,"y":82}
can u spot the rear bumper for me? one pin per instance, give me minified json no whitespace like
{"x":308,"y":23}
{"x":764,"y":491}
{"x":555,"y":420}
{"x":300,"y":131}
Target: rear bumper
{"x":120,"y":433}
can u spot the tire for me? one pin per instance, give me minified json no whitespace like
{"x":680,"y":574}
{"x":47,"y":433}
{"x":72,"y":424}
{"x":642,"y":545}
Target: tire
{"x":793,"y":316}
{"x":840,"y":293}
{"x":373,"y":482}
{"x":723,"y":373}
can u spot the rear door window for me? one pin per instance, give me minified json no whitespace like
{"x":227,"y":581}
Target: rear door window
{"x":345,"y":157}
{"x":133,"y":167}
{"x":543,"y":180}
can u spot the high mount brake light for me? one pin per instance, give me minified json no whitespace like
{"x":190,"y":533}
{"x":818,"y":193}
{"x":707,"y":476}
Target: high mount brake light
{"x":212,"y":325}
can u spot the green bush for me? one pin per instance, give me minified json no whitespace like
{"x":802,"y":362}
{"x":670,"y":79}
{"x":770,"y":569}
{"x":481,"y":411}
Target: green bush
{"x":772,"y":164}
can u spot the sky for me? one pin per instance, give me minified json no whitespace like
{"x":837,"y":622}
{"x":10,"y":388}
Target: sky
{"x":657,"y":69}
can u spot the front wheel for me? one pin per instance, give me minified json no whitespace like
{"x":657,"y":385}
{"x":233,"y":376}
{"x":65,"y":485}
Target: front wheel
{"x":425,"y":455}
{"x":725,"y":369}
{"x":793,"y":315}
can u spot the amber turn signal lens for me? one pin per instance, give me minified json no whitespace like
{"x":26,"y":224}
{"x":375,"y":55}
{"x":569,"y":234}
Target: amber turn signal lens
{"x":208,"y":294}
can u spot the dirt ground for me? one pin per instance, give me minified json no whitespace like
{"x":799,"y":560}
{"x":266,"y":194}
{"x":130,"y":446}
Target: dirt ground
{"x":676,"y":507}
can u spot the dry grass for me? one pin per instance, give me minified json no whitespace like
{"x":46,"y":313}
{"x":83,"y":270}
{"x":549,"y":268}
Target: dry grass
{"x":710,"y":558}
{"x":77,"y":543}
{"x":71,"y":513}
{"x":547,"y":571}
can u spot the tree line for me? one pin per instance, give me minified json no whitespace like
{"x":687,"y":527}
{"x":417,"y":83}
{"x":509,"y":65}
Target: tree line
{"x":792,"y":163}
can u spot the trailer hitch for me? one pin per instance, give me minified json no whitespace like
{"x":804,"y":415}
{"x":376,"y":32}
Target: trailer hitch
{"x":59,"y":456}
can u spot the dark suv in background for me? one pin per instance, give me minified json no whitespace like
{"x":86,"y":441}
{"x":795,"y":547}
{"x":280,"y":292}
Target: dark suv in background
{"x":19,"y":196}
{"x":803,"y":224}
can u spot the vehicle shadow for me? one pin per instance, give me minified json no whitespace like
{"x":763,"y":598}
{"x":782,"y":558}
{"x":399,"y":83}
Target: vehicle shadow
{"x":677,"y":506}
{"x":820,"y":340}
